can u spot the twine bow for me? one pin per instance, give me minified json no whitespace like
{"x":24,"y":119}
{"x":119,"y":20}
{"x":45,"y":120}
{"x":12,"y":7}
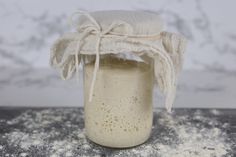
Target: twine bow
{"x":100,"y":33}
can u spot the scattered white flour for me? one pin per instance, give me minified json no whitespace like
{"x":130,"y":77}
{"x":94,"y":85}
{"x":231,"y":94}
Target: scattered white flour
{"x":25,"y":140}
{"x":23,"y":155}
{"x":194,"y":141}
{"x":59,"y":133}
{"x":215,"y":112}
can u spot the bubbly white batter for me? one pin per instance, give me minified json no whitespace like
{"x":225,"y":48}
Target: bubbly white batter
{"x":120,"y":113}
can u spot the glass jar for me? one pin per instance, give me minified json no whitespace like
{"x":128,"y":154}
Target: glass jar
{"x":121,"y":111}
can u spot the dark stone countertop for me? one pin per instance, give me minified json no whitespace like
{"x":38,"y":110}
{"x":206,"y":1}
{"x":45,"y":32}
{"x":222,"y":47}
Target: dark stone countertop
{"x":59,"y":132}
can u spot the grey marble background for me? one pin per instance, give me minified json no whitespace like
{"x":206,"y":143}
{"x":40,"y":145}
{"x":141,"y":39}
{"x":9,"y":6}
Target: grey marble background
{"x":29,"y":27}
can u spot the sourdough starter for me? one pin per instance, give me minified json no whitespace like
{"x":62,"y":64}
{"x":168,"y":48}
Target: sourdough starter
{"x":120,"y":113}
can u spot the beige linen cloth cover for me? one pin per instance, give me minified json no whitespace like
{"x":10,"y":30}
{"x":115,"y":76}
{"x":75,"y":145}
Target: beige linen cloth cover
{"x":119,"y":31}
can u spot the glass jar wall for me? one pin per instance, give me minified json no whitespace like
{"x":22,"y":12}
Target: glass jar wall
{"x":120,"y":113}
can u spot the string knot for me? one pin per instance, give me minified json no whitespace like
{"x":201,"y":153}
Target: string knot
{"x":100,"y":33}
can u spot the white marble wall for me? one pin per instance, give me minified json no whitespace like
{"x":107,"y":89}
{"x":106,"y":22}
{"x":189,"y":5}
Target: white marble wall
{"x":29,"y":27}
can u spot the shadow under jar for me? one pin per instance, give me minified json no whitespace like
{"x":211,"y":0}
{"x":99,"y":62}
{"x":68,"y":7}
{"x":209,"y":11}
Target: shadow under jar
{"x":121,"y":111}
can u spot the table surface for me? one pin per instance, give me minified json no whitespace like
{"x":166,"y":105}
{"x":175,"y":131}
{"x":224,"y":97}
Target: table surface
{"x":59,"y":132}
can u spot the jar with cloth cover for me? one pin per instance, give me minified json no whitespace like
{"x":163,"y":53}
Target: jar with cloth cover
{"x":124,"y":54}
